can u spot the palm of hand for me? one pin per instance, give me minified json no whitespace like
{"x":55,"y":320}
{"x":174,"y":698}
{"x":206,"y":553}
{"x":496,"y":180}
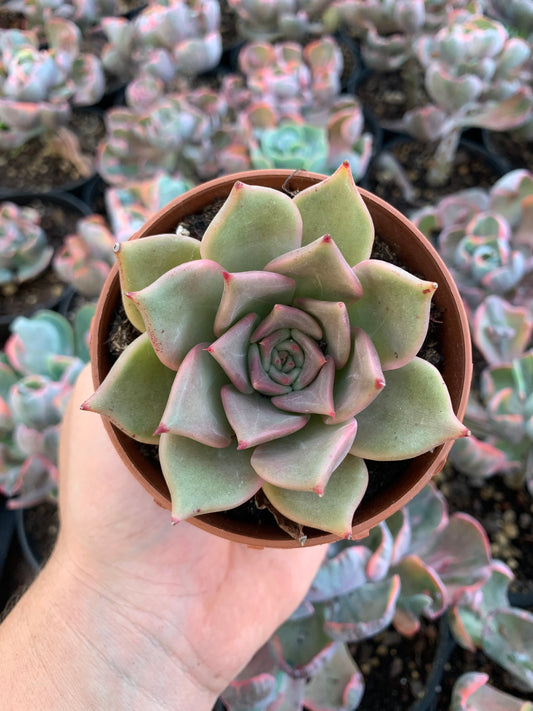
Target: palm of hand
{"x":201,"y":596}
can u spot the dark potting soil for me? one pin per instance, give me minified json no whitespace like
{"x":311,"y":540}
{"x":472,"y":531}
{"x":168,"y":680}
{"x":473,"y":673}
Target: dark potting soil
{"x":462,"y":661}
{"x":396,"y":669}
{"x":389,"y":95}
{"x":517,"y":154}
{"x":33,"y":168}
{"x":470,"y":170}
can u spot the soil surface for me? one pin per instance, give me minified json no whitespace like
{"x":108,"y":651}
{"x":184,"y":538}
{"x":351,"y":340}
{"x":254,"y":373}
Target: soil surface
{"x":33,"y":168}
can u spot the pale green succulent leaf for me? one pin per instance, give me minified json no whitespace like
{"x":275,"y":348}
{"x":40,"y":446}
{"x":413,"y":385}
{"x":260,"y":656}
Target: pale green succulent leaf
{"x":205,"y":479}
{"x":255,"y":420}
{"x":365,"y":611}
{"x":320,"y":272}
{"x":422,"y":592}
{"x":283,"y":316}
{"x":332,"y":512}
{"x":333,"y":318}
{"x":359,"y":382}
{"x":412,"y":414}
{"x":231,"y":352}
{"x":305,"y":460}
{"x":394,"y":310}
{"x":255,"y":225}
{"x":194,"y":408}
{"x":507,"y":638}
{"x":251,"y":292}
{"x":142,"y":261}
{"x":179,"y":308}
{"x":335,"y":207}
{"x":135,"y":391}
{"x":337,"y":686}
{"x":316,"y":398}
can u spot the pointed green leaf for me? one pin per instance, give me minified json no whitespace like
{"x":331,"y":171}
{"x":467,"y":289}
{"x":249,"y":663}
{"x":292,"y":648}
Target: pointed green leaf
{"x":394,"y":310}
{"x":142,"y":261}
{"x":194,"y":408}
{"x":320,"y":272}
{"x":301,"y":645}
{"x":335,"y":207}
{"x":205,"y":479}
{"x":179,"y":308}
{"x":255,"y":420}
{"x":359,"y":382}
{"x":332,"y":512}
{"x":251,"y":292}
{"x":231,"y":352}
{"x":333,"y":318}
{"x":255,"y":225}
{"x":283,"y":316}
{"x":304,"y":461}
{"x":316,"y":398}
{"x":135,"y":391}
{"x":412,"y":414}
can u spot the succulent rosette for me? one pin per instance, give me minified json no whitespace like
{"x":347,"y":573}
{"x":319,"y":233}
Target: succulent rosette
{"x":275,"y":353}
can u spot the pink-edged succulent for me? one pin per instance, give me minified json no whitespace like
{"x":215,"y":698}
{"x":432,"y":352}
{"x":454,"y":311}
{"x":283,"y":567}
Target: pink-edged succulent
{"x":277,"y":354}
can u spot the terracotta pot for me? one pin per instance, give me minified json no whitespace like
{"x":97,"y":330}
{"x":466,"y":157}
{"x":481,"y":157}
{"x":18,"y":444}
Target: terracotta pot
{"x":418,"y":256}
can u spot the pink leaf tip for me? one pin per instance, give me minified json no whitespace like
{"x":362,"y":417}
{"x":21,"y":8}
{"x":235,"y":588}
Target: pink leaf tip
{"x":162,"y":429}
{"x":379,"y":383}
{"x":242,"y":445}
{"x":85,"y":406}
{"x":327,"y":239}
{"x":319,"y":490}
{"x":174,"y":520}
{"x":226,"y":276}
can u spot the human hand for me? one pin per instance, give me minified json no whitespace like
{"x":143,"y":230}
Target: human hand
{"x":192,"y":607}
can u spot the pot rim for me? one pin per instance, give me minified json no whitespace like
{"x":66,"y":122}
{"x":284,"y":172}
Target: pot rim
{"x":454,"y":341}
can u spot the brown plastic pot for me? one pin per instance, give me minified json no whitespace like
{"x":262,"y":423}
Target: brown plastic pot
{"x":413,"y":250}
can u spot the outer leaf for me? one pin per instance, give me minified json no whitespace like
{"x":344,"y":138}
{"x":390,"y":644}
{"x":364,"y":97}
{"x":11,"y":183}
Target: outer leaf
{"x":302,"y":646}
{"x":365,"y":611}
{"x":255,"y":225}
{"x":320,"y":271}
{"x":394,"y":310}
{"x":412,"y":415}
{"x":340,"y":574}
{"x":472,"y":693}
{"x":204,"y":479}
{"x":338,"y":686}
{"x":179,"y":308}
{"x":255,"y":420}
{"x":422,"y":592}
{"x":334,"y":510}
{"x":134,"y":394}
{"x":304,"y":461}
{"x":508,"y":638}
{"x":334,"y":207}
{"x":194,"y":408}
{"x":142,"y":261}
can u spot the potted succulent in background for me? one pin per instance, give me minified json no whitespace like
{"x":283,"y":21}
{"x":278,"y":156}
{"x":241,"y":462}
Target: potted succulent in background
{"x":296,"y":358}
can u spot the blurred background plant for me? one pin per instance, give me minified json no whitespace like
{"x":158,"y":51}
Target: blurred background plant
{"x":39,"y":365}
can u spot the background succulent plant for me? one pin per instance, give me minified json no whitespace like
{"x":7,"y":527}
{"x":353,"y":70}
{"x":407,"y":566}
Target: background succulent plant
{"x":417,"y":564}
{"x":288,"y":361}
{"x":41,"y":361}
{"x":24,"y":249}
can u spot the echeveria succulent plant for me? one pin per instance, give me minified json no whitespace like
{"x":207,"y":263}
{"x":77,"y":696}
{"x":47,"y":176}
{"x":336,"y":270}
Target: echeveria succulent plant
{"x":276,"y":354}
{"x":24,"y":249}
